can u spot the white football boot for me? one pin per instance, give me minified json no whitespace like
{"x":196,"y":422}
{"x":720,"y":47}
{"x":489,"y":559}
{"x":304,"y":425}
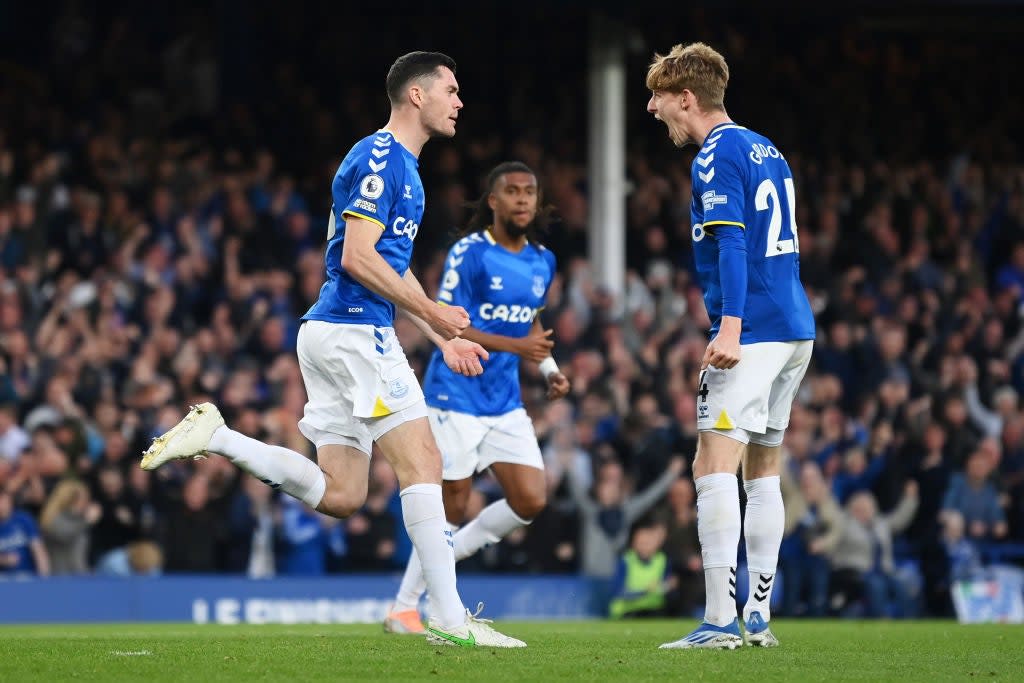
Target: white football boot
{"x":475,"y":632}
{"x":187,"y":439}
{"x":709,"y":637}
{"x":758,"y":633}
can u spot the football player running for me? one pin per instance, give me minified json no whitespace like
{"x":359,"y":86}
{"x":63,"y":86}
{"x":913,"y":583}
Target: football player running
{"x":361,"y":389}
{"x":500,"y":273}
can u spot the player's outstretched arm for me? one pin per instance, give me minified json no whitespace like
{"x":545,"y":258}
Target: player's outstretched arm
{"x":536,"y":346}
{"x":360,"y":259}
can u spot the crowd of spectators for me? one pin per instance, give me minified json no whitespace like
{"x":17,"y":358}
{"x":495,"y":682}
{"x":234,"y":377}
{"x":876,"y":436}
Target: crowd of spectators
{"x":156,"y":250}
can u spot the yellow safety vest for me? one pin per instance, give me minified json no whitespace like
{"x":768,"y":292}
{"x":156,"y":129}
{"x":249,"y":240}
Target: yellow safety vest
{"x":645,"y":579}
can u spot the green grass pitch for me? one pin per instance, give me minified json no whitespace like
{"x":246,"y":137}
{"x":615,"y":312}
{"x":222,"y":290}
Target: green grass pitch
{"x":558,"y":651}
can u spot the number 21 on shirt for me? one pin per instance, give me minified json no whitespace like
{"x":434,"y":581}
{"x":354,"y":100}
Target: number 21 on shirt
{"x":767,"y":199}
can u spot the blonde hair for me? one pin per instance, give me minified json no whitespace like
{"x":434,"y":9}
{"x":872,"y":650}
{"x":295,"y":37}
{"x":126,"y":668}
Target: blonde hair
{"x":696,"y":67}
{"x":64,"y":494}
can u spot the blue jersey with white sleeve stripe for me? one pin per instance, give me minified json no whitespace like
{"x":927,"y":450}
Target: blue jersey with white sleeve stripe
{"x":378,"y":180}
{"x":503,"y":291}
{"x":741,"y":180}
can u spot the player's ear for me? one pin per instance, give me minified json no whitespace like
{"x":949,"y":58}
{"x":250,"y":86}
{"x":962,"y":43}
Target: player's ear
{"x":415,"y":94}
{"x":492,"y":201}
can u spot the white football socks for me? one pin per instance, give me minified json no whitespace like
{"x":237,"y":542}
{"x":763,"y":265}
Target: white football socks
{"x":718,"y":527}
{"x":275,"y":466}
{"x":412,"y":586}
{"x":494,"y":522}
{"x":423,"y":511}
{"x":763,"y":526}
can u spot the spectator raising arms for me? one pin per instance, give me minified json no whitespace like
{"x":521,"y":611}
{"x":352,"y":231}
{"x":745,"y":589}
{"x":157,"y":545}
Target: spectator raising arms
{"x":863,"y":556}
{"x":65,"y":521}
{"x":608,"y":512}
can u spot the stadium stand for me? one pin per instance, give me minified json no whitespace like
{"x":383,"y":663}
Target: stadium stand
{"x":162,"y":217}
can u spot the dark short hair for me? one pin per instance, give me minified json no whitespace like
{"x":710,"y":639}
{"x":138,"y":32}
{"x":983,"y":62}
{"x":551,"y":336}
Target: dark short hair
{"x":412,"y":66}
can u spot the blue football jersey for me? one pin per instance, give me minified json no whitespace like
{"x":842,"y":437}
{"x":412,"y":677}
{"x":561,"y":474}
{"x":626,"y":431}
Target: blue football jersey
{"x":503,"y":292}
{"x":741,"y":179}
{"x":378,"y":180}
{"x":16,"y":536}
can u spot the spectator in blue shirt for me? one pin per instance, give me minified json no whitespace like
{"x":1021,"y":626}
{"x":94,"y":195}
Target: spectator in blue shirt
{"x":964,"y":558}
{"x":858,"y":473}
{"x":306,"y":539}
{"x":974,"y":496}
{"x":1011,"y":276}
{"x":21,"y":549}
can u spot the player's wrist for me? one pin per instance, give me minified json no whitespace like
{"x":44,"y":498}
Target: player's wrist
{"x":427,"y":309}
{"x":548,"y":368}
{"x":731,"y":324}
{"x":518,"y":346}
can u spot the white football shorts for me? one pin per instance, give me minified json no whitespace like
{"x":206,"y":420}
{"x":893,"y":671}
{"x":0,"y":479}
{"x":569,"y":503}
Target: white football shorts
{"x":359,"y":385}
{"x":752,"y":401}
{"x":472,"y":443}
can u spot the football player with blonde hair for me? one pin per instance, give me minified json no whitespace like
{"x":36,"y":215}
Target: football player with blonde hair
{"x":747,"y":253}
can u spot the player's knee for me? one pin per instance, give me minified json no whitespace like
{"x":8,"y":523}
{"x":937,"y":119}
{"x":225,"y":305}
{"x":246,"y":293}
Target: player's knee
{"x":342,"y":501}
{"x":708,"y":465}
{"x":761,"y":461}
{"x":423,"y":468}
{"x":529,"y":504}
{"x":719,"y":452}
{"x":700,"y":469}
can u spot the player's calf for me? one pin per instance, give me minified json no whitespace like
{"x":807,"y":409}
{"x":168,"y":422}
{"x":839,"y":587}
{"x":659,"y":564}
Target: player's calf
{"x":527,"y":504}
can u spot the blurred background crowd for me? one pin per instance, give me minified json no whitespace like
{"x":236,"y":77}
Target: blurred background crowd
{"x":164,"y":187}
